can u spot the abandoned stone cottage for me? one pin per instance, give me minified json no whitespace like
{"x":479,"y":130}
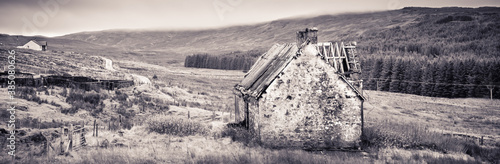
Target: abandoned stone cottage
{"x":306,"y":95}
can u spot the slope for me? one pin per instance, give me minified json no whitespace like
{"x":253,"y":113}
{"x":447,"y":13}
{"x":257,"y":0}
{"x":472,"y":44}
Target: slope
{"x":377,"y":31}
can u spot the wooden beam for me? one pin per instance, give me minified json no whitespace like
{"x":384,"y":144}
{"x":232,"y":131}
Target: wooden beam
{"x":326,"y":53}
{"x":347,"y":58}
{"x":341,"y":64}
{"x":336,"y":53}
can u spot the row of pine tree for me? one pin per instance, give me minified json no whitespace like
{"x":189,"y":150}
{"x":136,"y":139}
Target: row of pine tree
{"x":231,"y":61}
{"x":445,"y":76}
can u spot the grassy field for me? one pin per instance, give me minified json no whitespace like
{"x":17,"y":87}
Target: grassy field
{"x":181,"y":117}
{"x":397,"y":133}
{"x":473,"y":116}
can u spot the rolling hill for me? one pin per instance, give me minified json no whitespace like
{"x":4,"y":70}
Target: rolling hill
{"x":427,"y":29}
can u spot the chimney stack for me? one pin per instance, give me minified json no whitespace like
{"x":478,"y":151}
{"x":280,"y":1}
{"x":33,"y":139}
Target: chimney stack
{"x":308,"y":35}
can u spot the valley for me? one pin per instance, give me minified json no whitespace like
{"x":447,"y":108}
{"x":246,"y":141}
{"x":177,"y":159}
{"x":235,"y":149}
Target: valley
{"x":177,"y":114}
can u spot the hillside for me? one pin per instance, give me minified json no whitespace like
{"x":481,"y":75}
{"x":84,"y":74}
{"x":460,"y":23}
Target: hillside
{"x":421,"y":30}
{"x":426,"y":31}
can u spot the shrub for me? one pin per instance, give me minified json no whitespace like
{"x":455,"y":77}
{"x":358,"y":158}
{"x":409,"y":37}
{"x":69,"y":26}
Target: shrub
{"x":30,"y":94}
{"x":488,"y":154}
{"x":64,"y":92}
{"x":463,"y":18}
{"x":120,"y":96}
{"x":90,"y":101}
{"x":71,"y":110}
{"x":445,"y":20}
{"x":116,"y":123}
{"x":123,"y":111}
{"x":240,"y":134}
{"x":25,"y":90}
{"x":54,"y":104}
{"x":176,"y":126}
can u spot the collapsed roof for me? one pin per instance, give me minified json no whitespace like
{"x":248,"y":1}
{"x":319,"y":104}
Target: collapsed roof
{"x":266,"y":69}
{"x":269,"y":66}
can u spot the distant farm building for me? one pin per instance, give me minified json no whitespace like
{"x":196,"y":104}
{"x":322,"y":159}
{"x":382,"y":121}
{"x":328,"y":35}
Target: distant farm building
{"x":306,"y":95}
{"x":35,"y":45}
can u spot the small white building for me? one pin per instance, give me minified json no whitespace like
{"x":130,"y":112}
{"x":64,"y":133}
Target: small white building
{"x":35,"y":45}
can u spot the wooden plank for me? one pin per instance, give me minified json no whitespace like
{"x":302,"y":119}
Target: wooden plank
{"x":275,"y":68}
{"x":260,"y":67}
{"x":268,"y":70}
{"x":345,"y":54}
{"x":332,"y":53}
{"x":327,"y":49}
{"x":352,"y":53}
{"x":340,"y":64}
{"x":326,"y":53}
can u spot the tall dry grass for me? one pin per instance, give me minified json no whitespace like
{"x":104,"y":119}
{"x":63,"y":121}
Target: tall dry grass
{"x":164,"y":124}
{"x":388,"y":134}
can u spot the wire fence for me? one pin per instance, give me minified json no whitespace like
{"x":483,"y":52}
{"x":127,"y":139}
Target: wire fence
{"x":420,"y":82}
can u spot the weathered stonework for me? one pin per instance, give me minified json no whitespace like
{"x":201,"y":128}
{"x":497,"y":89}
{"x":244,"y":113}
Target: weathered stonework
{"x":307,"y":106}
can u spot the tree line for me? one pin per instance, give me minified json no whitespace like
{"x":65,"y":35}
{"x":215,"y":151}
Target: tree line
{"x":446,"y":76}
{"x":230,"y":61}
{"x":452,"y":76}
{"x":441,"y":55}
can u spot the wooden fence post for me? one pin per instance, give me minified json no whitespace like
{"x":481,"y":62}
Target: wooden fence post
{"x":97,"y":130}
{"x":94,"y":130}
{"x":47,"y":149}
{"x":70,"y":138}
{"x":61,"y":143}
{"x":236,"y":109}
{"x":490,"y":87}
{"x":120,"y":123}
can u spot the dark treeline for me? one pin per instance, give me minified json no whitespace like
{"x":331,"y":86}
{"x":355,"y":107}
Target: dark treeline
{"x":231,"y":61}
{"x":447,"y":76}
{"x":450,"y":54}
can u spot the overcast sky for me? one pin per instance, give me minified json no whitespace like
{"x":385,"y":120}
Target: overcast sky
{"x":59,"y":17}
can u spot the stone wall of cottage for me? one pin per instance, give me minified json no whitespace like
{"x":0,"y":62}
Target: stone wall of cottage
{"x":308,"y":106}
